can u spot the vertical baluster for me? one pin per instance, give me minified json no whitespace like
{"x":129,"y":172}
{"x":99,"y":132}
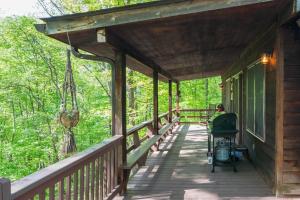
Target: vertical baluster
{"x":75,"y":192}
{"x":116,"y":166}
{"x":150,"y":133}
{"x":108,"y":173}
{"x":87,"y":182}
{"x":112,"y":168}
{"x":81,"y":183}
{"x":42,"y":195}
{"x":120,"y":161}
{"x":93,"y":180}
{"x":136,"y":139}
{"x":68,"y":192}
{"x":105,"y":176}
{"x":97,"y":167}
{"x":52,"y":192}
{"x":61,"y":190}
{"x":101,"y":177}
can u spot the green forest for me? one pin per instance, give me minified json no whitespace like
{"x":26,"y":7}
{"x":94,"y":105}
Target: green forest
{"x":32,"y":68}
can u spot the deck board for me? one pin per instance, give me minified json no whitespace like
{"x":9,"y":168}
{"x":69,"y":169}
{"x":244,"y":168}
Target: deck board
{"x":180,"y":171}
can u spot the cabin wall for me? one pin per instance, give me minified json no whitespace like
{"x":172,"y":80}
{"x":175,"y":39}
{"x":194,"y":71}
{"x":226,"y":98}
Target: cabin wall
{"x":262,"y":153}
{"x":289,"y":125}
{"x":278,"y":157}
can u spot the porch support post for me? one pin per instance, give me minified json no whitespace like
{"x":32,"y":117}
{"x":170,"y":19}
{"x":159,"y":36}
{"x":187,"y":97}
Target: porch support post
{"x":119,"y":96}
{"x":177,"y":99}
{"x":119,"y":107}
{"x":155,"y":102}
{"x":5,"y":189}
{"x":170,"y":101}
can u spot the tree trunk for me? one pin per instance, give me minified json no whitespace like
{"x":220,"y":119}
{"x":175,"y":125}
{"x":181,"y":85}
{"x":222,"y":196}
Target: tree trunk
{"x":14,"y":120}
{"x":206,"y":93}
{"x":131,"y":99}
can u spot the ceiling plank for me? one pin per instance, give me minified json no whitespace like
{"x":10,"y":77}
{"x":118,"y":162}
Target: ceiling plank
{"x":199,"y":75}
{"x":119,"y":43}
{"x":197,"y":70}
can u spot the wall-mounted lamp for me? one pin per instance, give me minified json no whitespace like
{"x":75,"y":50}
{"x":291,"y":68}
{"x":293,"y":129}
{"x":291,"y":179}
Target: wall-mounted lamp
{"x":265,"y":59}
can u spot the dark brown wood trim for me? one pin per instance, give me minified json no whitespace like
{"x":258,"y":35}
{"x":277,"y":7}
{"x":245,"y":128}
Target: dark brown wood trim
{"x":5,"y":189}
{"x":119,"y":99}
{"x":177,"y":99}
{"x":144,"y":12}
{"x":155,"y":102}
{"x":279,"y":113}
{"x":170,"y":102}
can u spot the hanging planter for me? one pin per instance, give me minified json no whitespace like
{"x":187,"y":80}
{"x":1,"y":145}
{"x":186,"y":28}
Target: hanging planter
{"x":69,"y":118}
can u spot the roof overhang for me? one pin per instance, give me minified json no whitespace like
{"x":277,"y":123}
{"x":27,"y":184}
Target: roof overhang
{"x":181,"y":39}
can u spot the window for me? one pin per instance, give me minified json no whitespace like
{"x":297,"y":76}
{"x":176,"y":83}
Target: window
{"x":228,"y":95}
{"x":255,"y":114}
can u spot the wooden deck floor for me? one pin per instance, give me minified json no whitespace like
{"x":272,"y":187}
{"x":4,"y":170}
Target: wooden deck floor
{"x":180,"y":171}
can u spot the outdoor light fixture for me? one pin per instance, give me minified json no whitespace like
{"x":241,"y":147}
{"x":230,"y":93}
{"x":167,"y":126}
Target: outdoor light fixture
{"x":265,"y":59}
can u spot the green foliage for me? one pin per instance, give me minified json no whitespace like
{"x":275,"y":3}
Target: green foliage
{"x":75,"y":6}
{"x":31,"y":72}
{"x":193,"y":93}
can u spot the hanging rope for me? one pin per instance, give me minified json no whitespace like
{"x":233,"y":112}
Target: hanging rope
{"x":69,"y":118}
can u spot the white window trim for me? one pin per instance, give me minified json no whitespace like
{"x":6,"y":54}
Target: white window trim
{"x":263,"y":139}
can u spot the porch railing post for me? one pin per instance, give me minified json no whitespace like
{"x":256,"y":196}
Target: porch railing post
{"x":119,"y":106}
{"x":177,"y":99}
{"x":5,"y":189}
{"x":170,"y":102}
{"x":155,"y":102}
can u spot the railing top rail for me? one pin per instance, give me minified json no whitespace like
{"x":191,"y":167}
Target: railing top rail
{"x":53,"y":172}
{"x":138,"y":127}
{"x":144,"y":124}
{"x":196,"y":110}
{"x":163,"y":115}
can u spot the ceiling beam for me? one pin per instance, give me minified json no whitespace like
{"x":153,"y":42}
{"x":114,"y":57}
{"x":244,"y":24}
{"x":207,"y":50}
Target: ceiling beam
{"x":137,"y":13}
{"x":199,"y":75}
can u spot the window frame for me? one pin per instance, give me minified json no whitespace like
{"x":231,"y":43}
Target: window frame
{"x":263,"y":138}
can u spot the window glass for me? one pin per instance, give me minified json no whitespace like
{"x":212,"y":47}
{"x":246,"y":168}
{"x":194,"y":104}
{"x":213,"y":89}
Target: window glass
{"x":250,"y":100}
{"x":255,"y":100}
{"x":259,"y":101}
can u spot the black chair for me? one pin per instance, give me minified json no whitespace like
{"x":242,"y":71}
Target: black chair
{"x":224,"y":126}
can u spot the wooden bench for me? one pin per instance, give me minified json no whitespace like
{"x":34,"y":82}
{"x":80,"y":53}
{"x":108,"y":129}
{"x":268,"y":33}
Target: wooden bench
{"x":139,"y":155}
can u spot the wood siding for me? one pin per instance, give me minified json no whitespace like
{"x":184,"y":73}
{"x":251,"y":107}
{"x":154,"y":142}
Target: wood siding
{"x":290,"y":179}
{"x":278,"y":157}
{"x":262,"y":154}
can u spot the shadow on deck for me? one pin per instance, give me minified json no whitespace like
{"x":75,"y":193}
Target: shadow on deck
{"x":180,"y":171}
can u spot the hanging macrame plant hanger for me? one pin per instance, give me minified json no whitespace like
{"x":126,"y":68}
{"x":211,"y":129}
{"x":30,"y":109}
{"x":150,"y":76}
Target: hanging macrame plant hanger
{"x":69,"y":118}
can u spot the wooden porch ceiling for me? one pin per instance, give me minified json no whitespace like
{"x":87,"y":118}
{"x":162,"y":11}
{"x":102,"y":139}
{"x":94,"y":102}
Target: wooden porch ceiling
{"x":181,"y":39}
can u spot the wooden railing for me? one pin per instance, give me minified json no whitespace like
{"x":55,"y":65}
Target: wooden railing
{"x":198,"y":116}
{"x":138,"y":151}
{"x":134,"y":139}
{"x":92,"y":174}
{"x":97,"y":173}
